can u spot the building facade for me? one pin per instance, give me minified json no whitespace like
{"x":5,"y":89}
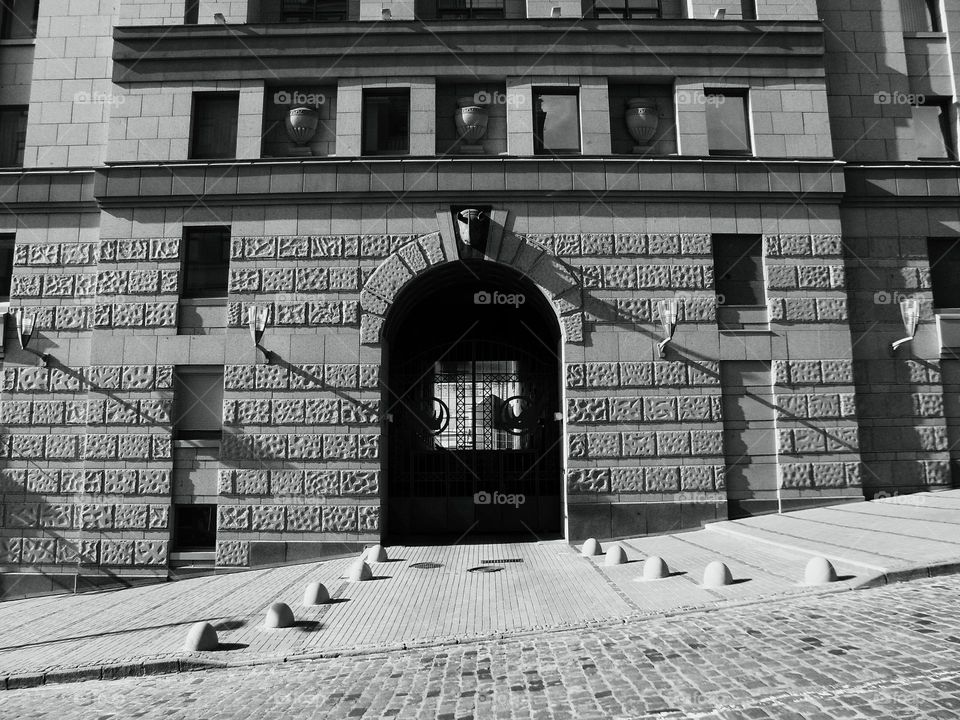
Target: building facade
{"x":290,"y":277}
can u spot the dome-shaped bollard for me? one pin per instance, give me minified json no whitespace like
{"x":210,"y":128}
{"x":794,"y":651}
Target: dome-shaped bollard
{"x":655,"y":568}
{"x":375,"y":554}
{"x":316,"y":594}
{"x":201,"y":636}
{"x":359,"y":571}
{"x":616,"y":555}
{"x":819,"y":571}
{"x":279,"y":615}
{"x":716,"y":574}
{"x":591,"y":547}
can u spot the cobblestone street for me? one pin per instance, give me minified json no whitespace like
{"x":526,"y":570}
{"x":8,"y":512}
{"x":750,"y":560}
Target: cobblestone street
{"x":890,"y":652}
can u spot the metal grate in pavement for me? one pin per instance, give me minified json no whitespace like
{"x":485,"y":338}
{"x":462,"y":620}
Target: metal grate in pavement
{"x":427,"y":565}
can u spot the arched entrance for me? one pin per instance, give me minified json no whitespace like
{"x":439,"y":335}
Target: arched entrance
{"x":473,"y":396}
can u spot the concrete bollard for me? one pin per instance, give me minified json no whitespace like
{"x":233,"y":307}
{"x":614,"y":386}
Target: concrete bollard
{"x":819,"y":571}
{"x":201,"y":636}
{"x":655,"y":568}
{"x":616,"y":555}
{"x":316,"y":594}
{"x":716,"y":574}
{"x":279,"y":615}
{"x":591,"y":547}
{"x":375,"y":554}
{"x":359,"y":571}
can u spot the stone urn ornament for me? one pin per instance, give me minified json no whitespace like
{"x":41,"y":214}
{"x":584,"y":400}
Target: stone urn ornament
{"x":301,"y":123}
{"x":472,"y":226}
{"x":642,"y":117}
{"x":471,"y":121}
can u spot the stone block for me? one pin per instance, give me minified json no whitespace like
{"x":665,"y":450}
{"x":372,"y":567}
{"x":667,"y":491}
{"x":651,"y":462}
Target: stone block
{"x":828,"y":475}
{"x":673,"y":443}
{"x":627,"y":479}
{"x":29,"y":447}
{"x":251,"y":482}
{"x":588,"y":480}
{"x":150,"y":552}
{"x":359,"y":482}
{"x":706,"y":442}
{"x":307,"y":518}
{"x":94,"y":516}
{"x":268,"y":518}
{"x":660,"y":409}
{"x":639,"y":444}
{"x":38,"y":551}
{"x":662,"y":478}
{"x":120,"y":482}
{"x":286,"y":483}
{"x":603,"y":444}
{"x":56,"y":515}
{"x":368,"y":518}
{"x":130,"y":517}
{"x":154,"y":482}
{"x":586,"y":410}
{"x":600,"y":375}
{"x":626,"y":409}
{"x":311,"y":447}
{"x":669,"y":374}
{"x":340,"y":518}
{"x":697,"y":477}
{"x":233,"y":517}
{"x":232,"y":553}
{"x":321,"y":482}
{"x":71,"y":551}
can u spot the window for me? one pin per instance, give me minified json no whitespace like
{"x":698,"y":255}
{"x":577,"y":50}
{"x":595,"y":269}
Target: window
{"x":13,"y":135}
{"x":748,"y":9}
{"x":556,"y":121}
{"x":386,"y":122}
{"x":197,"y":402}
{"x":627,"y":9}
{"x":303,"y":11}
{"x":214,"y":132}
{"x":191,"y":13}
{"x":944,"y":256}
{"x":931,"y":129}
{"x":18,"y":19}
{"x":6,"y":266}
{"x":920,"y":16}
{"x":194,"y":528}
{"x":206,"y":262}
{"x":728,"y":124}
{"x":738,"y":269}
{"x":469,"y":9}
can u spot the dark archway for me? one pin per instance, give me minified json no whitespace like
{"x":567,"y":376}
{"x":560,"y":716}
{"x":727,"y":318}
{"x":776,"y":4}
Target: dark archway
{"x":474,"y":436}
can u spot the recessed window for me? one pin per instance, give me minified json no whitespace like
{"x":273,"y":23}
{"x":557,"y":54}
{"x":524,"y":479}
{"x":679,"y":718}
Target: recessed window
{"x":303,"y":11}
{"x":191,"y":13}
{"x":627,"y":9}
{"x":738,"y":269}
{"x":194,"y":527}
{"x":206,"y":262}
{"x":214,"y":131}
{"x":556,"y":121}
{"x":198,"y":402}
{"x":920,"y":16}
{"x":469,"y":9}
{"x":386,"y":122}
{"x":6,"y":266}
{"x":748,"y":9}
{"x":728,"y":122}
{"x":18,"y":19}
{"x":13,"y":135}
{"x":944,"y":256}
{"x":931,"y":129}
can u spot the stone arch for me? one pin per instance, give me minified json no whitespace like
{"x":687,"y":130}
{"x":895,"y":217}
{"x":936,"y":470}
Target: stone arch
{"x":559,"y":282}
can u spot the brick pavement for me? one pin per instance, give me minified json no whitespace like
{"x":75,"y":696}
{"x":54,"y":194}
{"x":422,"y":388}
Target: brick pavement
{"x":891,"y":652}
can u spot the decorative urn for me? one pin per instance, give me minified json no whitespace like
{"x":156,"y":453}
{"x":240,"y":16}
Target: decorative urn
{"x":301,"y":123}
{"x":471,"y":121}
{"x":642,"y":118}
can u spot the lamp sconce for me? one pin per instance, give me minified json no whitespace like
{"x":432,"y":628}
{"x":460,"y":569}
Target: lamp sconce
{"x":257,"y":322}
{"x":26,"y":326}
{"x":219,"y":19}
{"x":555,"y":11}
{"x":910,"y":313}
{"x":668,"y":310}
{"x":720,"y":14}
{"x":386,"y":14}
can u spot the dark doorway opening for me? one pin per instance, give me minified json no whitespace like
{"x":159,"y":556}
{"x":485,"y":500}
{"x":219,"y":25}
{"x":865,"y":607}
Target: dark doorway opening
{"x":474,"y":434}
{"x":194,"y":527}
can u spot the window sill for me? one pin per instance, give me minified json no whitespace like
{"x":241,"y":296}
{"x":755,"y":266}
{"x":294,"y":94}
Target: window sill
{"x":204,"y":302}
{"x":197,"y":444}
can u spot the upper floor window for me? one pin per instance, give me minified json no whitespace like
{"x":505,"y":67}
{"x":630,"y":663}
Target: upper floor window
{"x":191,"y":13}
{"x":198,"y":402}
{"x":920,"y":16}
{"x":13,"y":135}
{"x":18,"y":19}
{"x":386,"y":122}
{"x":748,"y":9}
{"x":738,"y":269}
{"x":627,"y":9}
{"x":728,"y":122}
{"x":214,"y":129}
{"x":944,"y":256}
{"x":469,"y":9}
{"x":556,"y":121}
{"x":303,"y":11}
{"x":6,"y":266}
{"x":206,"y":262}
{"x":931,"y":129}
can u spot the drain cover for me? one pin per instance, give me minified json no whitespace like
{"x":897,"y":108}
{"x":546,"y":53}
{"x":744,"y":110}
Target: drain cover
{"x":485,"y":569}
{"x":501,"y":560}
{"x":426,"y":565}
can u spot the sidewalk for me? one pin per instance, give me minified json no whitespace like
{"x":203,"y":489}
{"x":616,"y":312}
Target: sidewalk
{"x":428,"y":595}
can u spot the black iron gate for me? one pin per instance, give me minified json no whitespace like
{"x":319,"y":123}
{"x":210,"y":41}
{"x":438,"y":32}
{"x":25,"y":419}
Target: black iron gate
{"x":475,"y":441}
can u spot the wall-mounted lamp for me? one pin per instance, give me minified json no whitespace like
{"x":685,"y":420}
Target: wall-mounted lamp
{"x":668,"y":310}
{"x":26,"y":330}
{"x":910,"y":313}
{"x":257,"y":322}
{"x":219,"y":19}
{"x":720,"y":14}
{"x":555,"y":11}
{"x":385,"y":14}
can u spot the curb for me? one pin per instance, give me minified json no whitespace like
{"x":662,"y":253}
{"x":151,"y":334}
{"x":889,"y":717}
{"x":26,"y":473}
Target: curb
{"x":907,"y":574}
{"x":108,"y":671}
